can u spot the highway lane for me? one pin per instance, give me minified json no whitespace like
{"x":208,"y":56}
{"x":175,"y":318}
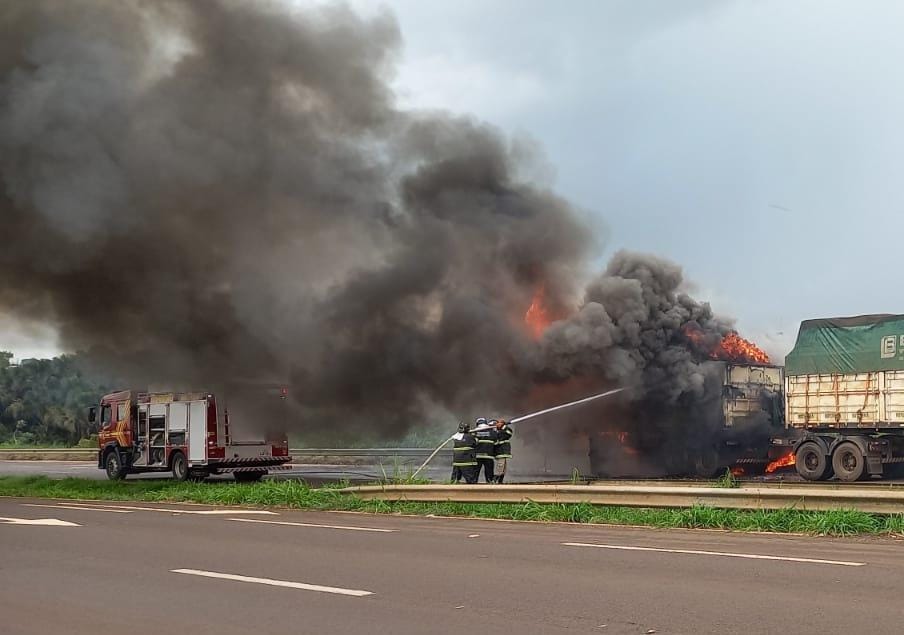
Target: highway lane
{"x":386,"y":574}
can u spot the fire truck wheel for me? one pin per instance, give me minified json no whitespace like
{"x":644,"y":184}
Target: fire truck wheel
{"x":180,"y":467}
{"x":249,"y":477}
{"x":811,"y":462}
{"x":113,"y":466}
{"x":848,"y":462}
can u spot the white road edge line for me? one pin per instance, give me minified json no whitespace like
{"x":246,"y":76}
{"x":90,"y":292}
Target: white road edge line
{"x":695,"y":552}
{"x":343,"y":527}
{"x":201,"y":512}
{"x":80,"y":508}
{"x":270,"y":582}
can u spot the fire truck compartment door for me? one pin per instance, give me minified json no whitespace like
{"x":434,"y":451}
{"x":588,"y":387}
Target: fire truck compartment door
{"x":178,"y":416}
{"x":197,"y":431}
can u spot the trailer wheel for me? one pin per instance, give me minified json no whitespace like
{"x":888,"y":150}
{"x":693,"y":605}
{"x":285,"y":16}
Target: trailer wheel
{"x":811,"y":462}
{"x":848,"y":462}
{"x":180,"y":467}
{"x":113,"y":466}
{"x":249,"y":477}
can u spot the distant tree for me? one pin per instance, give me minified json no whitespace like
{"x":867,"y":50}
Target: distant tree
{"x":45,"y":400}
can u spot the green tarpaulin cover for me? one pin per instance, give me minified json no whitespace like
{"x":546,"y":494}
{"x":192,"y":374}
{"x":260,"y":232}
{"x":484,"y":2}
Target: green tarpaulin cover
{"x":862,"y":344}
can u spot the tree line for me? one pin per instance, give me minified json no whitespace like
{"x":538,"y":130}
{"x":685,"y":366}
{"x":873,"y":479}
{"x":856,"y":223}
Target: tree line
{"x":45,"y":401}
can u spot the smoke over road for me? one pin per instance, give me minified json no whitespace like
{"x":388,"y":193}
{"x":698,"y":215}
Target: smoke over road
{"x":205,"y":192}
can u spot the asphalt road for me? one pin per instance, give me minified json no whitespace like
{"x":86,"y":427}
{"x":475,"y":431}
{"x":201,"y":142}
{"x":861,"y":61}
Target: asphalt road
{"x":143,"y":568}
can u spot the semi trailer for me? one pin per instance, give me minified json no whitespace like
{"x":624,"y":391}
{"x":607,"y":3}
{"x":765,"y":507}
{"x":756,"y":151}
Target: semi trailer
{"x":844,"y":398}
{"x":836,"y":409}
{"x":187,"y":434}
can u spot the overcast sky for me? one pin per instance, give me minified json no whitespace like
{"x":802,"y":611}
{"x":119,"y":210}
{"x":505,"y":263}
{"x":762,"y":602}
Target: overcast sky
{"x":756,"y":142}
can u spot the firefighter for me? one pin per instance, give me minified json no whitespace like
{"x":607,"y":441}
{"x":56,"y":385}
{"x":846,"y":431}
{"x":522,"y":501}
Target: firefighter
{"x":503,"y":453}
{"x":486,"y":449}
{"x":464,"y":455}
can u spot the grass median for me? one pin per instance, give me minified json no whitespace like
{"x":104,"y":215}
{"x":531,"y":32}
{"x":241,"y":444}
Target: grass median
{"x":298,"y":495}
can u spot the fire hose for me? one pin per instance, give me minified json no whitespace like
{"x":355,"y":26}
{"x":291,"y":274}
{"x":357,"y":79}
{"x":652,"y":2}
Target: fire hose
{"x":524,"y":418}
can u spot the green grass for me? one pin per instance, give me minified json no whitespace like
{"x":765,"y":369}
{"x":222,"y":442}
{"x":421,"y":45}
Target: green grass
{"x":298,"y":495}
{"x":88,"y":443}
{"x":727,"y":480}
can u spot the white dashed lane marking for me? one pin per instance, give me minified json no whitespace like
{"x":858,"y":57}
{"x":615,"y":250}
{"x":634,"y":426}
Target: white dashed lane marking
{"x":291,"y":524}
{"x":169,"y":510}
{"x":270,"y":582}
{"x":695,"y":552}
{"x":80,"y":508}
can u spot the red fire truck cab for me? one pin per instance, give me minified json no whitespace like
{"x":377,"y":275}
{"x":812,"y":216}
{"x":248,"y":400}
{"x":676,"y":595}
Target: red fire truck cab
{"x":183,"y":433}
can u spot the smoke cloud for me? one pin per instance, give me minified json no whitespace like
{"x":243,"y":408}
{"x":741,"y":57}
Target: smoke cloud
{"x":206,"y":193}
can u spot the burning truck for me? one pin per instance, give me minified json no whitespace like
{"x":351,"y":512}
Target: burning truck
{"x":739,"y":425}
{"x":836,"y":409}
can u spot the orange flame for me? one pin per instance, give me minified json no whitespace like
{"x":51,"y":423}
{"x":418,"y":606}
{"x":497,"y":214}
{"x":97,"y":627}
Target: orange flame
{"x":537,"y":317}
{"x":737,"y":471}
{"x":624,"y":441}
{"x":737,"y":348}
{"x":786,"y":461}
{"x":732,"y":348}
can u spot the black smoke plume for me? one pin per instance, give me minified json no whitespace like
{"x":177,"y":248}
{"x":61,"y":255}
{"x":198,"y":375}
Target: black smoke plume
{"x":202,"y":193}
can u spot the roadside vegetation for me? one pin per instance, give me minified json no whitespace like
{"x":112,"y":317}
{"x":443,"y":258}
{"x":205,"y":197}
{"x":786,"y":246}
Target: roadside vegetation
{"x":43,"y":402}
{"x":298,"y":495}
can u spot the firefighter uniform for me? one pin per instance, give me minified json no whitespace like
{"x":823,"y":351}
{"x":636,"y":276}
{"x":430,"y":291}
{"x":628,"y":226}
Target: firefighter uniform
{"x":486,"y":451}
{"x":504,"y":434}
{"x":464,"y":456}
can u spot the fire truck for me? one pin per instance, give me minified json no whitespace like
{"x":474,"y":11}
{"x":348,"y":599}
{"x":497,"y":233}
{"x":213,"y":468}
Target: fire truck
{"x":183,"y":433}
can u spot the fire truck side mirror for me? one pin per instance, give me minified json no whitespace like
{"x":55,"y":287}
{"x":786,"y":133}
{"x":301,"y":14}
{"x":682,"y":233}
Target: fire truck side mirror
{"x":92,"y":414}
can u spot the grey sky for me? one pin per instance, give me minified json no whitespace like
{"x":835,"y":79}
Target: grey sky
{"x":757,"y":143}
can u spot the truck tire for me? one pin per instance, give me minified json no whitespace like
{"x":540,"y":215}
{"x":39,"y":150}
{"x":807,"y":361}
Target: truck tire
{"x":708,"y":463}
{"x":811,"y":462}
{"x":848,"y":462}
{"x":249,"y":477}
{"x":113,"y":466}
{"x":180,"y":466}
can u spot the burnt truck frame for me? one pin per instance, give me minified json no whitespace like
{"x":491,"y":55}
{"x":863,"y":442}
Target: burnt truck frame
{"x":182,"y":433}
{"x":749,"y":411}
{"x":753,"y":410}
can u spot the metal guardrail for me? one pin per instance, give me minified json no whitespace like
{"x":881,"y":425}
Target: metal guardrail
{"x":407,"y":453}
{"x":45,"y":450}
{"x":300,"y":451}
{"x":418,"y":453}
{"x":880,"y":501}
